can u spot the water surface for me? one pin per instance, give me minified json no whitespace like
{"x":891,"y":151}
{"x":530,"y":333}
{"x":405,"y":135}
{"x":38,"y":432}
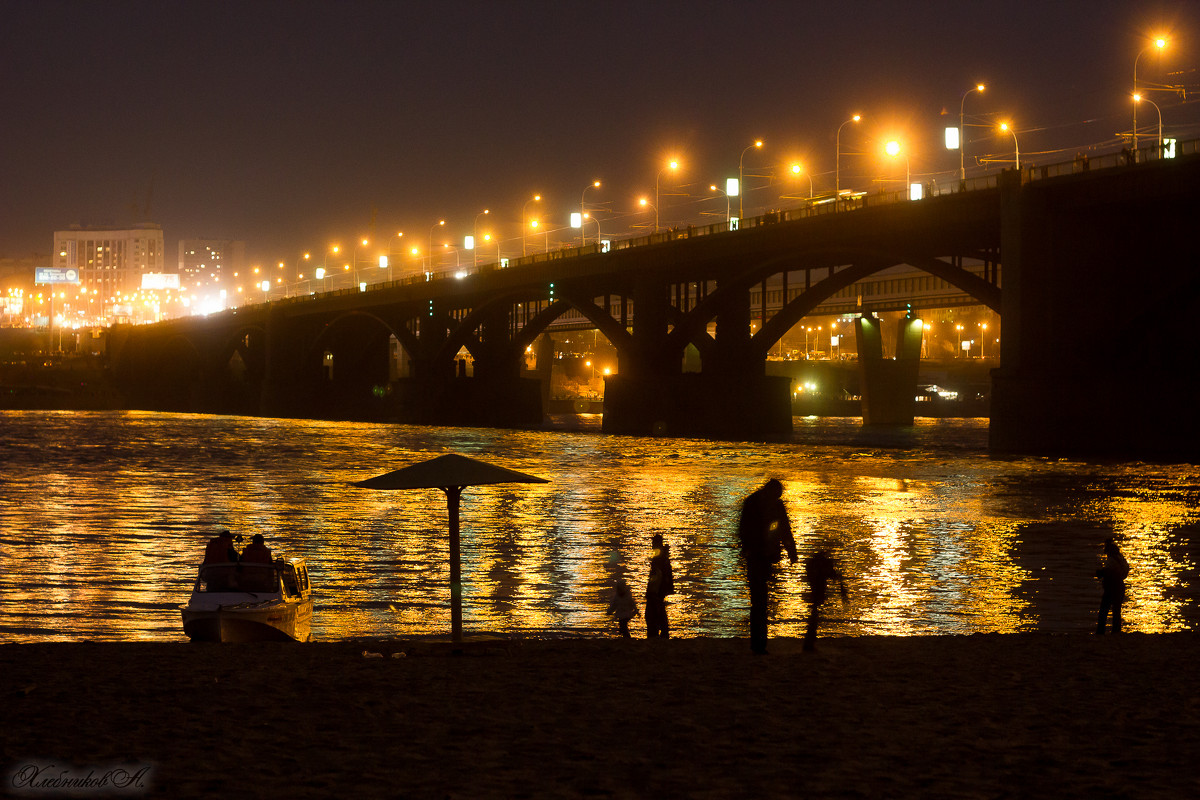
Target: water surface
{"x":104,"y":515}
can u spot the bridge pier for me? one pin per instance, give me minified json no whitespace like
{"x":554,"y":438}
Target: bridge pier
{"x":1099,"y":305}
{"x":889,"y":386}
{"x":731,"y":398}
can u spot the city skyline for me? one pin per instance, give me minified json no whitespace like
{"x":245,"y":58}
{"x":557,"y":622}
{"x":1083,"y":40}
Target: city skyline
{"x":296,"y":126}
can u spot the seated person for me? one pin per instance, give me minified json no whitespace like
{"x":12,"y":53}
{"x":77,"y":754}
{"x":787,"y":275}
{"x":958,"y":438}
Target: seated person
{"x":220,"y":549}
{"x":257,"y":552}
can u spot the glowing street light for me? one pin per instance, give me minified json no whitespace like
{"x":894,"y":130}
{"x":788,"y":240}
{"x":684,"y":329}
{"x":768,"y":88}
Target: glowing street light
{"x":645,"y":203}
{"x":1160,"y":44}
{"x":671,"y":166}
{"x":713,"y":188}
{"x":1004,"y":126}
{"x":354,"y":258}
{"x":475,"y":233}
{"x":798,"y":169}
{"x":440,"y":223}
{"x":837,"y":155}
{"x":962,"y":136}
{"x":741,"y":182}
{"x":1137,"y":98}
{"x":892,"y":148}
{"x":583,"y":212}
{"x":525,"y":220}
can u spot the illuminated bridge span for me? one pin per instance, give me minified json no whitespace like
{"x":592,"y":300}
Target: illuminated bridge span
{"x":1093,"y":257}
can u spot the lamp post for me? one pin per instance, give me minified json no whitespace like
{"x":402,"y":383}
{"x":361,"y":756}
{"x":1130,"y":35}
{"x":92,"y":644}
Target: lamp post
{"x":1137,"y":98}
{"x":643,"y":202}
{"x":714,"y":188}
{"x":583,"y":214}
{"x":962,"y":141}
{"x":354,"y":260}
{"x":429,"y":252}
{"x":837,"y":156}
{"x":1159,"y":43}
{"x":475,"y":233}
{"x":525,"y":220}
{"x":333,"y":251}
{"x":892,"y":148}
{"x":741,"y":183}
{"x":1004,"y":126}
{"x":798,"y":169}
{"x":671,"y":166}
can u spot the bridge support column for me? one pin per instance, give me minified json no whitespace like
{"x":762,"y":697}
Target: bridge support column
{"x":889,"y":386}
{"x":731,"y":398}
{"x":1100,"y":300}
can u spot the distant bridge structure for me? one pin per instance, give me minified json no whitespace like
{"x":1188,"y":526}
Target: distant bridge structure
{"x":1086,"y":251}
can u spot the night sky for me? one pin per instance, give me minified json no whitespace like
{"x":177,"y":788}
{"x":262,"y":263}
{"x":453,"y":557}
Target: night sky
{"x":294,"y":125}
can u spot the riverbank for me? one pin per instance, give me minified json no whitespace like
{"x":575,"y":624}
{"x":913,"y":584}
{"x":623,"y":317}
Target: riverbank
{"x":1028,"y":715}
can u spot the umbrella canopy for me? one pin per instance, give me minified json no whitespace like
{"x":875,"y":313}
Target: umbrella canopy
{"x":451,"y":473}
{"x":444,"y":471}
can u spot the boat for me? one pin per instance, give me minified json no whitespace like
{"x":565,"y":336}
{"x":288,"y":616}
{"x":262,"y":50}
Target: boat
{"x":250,"y":602}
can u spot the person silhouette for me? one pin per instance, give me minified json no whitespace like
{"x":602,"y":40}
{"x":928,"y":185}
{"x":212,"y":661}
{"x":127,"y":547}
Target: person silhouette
{"x":1112,"y":579}
{"x":819,"y":569}
{"x":764,"y":532}
{"x":623,"y":605}
{"x":220,"y":549}
{"x":257,"y":551}
{"x":659,"y":584}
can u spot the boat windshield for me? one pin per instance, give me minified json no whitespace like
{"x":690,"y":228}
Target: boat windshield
{"x":238,"y":578}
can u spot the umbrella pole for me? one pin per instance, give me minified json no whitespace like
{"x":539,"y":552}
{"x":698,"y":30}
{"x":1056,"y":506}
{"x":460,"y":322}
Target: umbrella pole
{"x":453,"y":494}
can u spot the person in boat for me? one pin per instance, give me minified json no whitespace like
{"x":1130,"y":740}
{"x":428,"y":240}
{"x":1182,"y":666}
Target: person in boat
{"x":220,"y":549}
{"x":257,"y":551}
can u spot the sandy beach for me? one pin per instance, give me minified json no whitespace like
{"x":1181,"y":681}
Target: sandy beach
{"x":977,"y":716}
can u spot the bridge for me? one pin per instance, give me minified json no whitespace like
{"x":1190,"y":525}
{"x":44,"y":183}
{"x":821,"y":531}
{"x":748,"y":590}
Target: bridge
{"x":1093,"y":257}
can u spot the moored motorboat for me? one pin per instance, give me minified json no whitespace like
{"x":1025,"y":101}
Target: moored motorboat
{"x":250,"y":602}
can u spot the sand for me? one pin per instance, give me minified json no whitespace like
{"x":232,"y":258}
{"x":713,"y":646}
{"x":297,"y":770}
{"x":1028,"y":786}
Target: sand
{"x":976,"y":716}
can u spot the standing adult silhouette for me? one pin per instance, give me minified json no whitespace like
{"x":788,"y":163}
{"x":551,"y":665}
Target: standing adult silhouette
{"x":765,"y":532}
{"x":1112,"y":578}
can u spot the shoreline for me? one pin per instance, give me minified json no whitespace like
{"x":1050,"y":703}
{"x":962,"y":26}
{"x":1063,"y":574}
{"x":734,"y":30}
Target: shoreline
{"x":1065,"y":715}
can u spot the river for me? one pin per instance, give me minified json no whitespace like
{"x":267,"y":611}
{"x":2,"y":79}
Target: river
{"x":103,"y":516}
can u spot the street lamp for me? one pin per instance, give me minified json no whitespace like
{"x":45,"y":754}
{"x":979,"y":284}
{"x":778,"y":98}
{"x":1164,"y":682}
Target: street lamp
{"x":962,"y":141}
{"x":429,"y":252}
{"x":837,"y":156}
{"x":1159,"y":43}
{"x":525,"y":219}
{"x":1004,"y":126}
{"x":714,"y":188}
{"x":798,"y":169}
{"x":672,"y":166}
{"x":892,"y":148}
{"x":741,"y":183}
{"x":583,"y":214}
{"x":333,"y":251}
{"x":1137,"y":98}
{"x":643,"y":202}
{"x":475,"y":233}
{"x":354,"y":259}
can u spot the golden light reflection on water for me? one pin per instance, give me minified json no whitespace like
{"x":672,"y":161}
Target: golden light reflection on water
{"x":105,"y":515}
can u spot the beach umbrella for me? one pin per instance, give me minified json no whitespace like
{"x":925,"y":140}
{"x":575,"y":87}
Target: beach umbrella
{"x":451,"y":473}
